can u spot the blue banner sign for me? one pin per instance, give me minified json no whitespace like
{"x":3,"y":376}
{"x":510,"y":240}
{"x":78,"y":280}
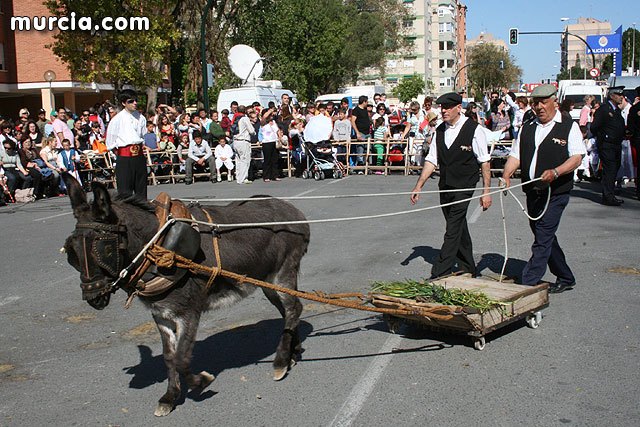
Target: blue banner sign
{"x":604,"y":44}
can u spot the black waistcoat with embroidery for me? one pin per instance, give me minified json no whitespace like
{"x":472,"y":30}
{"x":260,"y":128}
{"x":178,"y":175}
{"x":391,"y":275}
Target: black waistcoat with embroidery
{"x":552,"y":152}
{"x":458,"y":165}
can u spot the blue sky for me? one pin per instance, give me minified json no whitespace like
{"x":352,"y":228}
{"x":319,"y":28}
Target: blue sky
{"x":535,"y":54}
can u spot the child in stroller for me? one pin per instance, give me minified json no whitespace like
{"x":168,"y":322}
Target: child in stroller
{"x":321,"y":162}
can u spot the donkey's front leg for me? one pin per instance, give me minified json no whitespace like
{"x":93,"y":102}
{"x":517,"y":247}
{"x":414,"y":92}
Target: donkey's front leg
{"x":186,"y":329}
{"x":167,"y":328}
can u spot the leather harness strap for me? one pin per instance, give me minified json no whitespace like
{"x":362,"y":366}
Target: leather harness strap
{"x":216,"y":251}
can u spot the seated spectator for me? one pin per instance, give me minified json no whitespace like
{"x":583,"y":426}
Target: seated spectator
{"x":30,"y":173}
{"x":166,"y":144}
{"x":12,"y":166}
{"x":33,"y":132}
{"x":96,"y":139}
{"x":68,"y":159}
{"x":7,"y":134}
{"x":225,"y":122}
{"x":81,"y":131}
{"x":150,"y":138}
{"x":224,"y":156}
{"x":49,"y":155}
{"x":215,"y":129}
{"x":199,"y":155}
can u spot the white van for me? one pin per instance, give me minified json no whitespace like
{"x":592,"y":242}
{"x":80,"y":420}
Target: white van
{"x":576,"y":90}
{"x":263,"y":92}
{"x":630,"y":84}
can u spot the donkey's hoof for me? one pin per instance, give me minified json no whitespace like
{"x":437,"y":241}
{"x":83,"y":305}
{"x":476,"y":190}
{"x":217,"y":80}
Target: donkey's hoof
{"x":163,"y":409}
{"x":205,"y":378}
{"x":279,"y":373}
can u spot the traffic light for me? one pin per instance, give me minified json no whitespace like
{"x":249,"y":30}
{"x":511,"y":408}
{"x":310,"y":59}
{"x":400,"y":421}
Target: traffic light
{"x":513,"y":36}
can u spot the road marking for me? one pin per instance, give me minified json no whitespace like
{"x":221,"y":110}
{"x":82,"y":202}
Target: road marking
{"x":304,"y":193}
{"x":8,"y":300}
{"x":52,"y":216}
{"x":475,"y":215}
{"x":361,"y":391}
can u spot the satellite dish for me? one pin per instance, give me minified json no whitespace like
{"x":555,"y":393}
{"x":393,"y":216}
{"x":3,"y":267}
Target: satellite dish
{"x":245,"y":62}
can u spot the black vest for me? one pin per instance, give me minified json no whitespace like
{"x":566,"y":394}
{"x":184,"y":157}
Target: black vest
{"x":552,"y":152}
{"x":458,"y":164}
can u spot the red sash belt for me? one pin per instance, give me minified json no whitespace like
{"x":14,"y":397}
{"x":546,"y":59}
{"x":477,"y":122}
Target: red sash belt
{"x":134,"y":150}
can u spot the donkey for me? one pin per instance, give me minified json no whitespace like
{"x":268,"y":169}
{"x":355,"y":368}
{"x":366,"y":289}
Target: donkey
{"x":270,"y":253}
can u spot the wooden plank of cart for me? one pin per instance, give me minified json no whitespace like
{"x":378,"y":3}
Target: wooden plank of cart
{"x":520,"y":302}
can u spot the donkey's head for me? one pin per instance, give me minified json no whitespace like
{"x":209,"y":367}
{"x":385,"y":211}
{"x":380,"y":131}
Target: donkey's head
{"x":97,"y":246}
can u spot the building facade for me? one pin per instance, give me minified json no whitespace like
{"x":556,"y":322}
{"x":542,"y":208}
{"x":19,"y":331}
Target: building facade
{"x":24,"y":61}
{"x":436,"y":33}
{"x":573,"y":50}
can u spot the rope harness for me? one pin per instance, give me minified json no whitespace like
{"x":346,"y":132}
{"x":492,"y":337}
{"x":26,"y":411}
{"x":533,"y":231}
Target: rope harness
{"x":155,"y":254}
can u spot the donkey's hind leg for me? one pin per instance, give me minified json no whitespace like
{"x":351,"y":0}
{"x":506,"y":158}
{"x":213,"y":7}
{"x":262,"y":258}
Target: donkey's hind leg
{"x":167,"y":328}
{"x":187,"y":329}
{"x":290,"y":308}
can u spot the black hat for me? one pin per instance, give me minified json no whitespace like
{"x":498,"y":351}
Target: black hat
{"x":42,"y":111}
{"x":618,"y":90}
{"x":450,"y":98}
{"x":638,"y":91}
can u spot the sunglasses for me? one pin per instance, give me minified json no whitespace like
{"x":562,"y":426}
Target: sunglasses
{"x":131,"y":101}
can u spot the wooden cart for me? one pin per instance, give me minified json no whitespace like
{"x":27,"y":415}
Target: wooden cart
{"x":520,"y":302}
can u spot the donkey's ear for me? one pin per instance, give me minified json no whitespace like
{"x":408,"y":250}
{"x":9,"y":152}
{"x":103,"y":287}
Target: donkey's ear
{"x":101,"y":206}
{"x":76,"y":194}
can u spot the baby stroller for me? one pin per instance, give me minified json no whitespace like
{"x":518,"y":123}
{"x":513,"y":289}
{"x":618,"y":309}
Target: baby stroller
{"x":320,"y":162}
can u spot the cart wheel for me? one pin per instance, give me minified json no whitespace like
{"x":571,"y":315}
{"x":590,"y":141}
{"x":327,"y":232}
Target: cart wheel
{"x":479,"y":343}
{"x":321,"y":175}
{"x":533,"y":320}
{"x":393,"y":323}
{"x":305,"y":174}
{"x":316,"y":175}
{"x":336,"y":174}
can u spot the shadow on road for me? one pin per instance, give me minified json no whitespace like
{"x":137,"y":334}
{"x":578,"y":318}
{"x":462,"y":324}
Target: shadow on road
{"x":427,"y":253}
{"x":237,"y":347}
{"x":493,"y":262}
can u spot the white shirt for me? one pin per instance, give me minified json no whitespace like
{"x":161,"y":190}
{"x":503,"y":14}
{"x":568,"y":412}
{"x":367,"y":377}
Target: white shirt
{"x":196,"y":152}
{"x":574,"y":145}
{"x":624,"y":112}
{"x":479,"y":143}
{"x":126,"y":129}
{"x":226,"y":151}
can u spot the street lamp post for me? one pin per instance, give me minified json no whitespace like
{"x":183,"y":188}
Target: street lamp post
{"x":633,"y":51}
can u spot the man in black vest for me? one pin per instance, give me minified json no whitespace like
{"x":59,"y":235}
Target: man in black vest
{"x":460,"y":151}
{"x":633,"y":125}
{"x":549,"y":148}
{"x":608,"y":127}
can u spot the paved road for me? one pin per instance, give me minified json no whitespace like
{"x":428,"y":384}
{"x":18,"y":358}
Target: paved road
{"x":63,"y":363}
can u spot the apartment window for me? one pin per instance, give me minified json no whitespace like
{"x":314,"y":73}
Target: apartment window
{"x":2,"y":66}
{"x":446,"y":82}
{"x":446,"y":45}
{"x":446,"y":63}
{"x":392,"y":63}
{"x":407,"y":23}
{"x":445,"y":27}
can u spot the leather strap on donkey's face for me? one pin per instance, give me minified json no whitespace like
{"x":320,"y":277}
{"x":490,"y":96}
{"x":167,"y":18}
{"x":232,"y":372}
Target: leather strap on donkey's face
{"x":109,"y":246}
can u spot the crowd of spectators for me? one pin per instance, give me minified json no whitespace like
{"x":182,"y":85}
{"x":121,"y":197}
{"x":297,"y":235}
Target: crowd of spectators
{"x":34,"y":150}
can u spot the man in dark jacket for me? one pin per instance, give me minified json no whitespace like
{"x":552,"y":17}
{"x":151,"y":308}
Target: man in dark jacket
{"x":608,"y":127}
{"x":550,"y":148}
{"x":460,"y":150}
{"x":633,"y":125}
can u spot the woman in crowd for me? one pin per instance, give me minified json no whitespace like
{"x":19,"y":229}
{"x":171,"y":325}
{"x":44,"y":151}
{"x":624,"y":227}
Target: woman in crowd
{"x":500,"y":120}
{"x":33,"y":132}
{"x":12,"y":166}
{"x":585,"y":111}
{"x":166,"y":128}
{"x":271,"y":133}
{"x":30,"y":173}
{"x":412,"y":131}
{"x":49,"y":155}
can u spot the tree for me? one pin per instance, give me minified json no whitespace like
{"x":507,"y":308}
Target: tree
{"x":119,"y":57}
{"x":485,"y":71}
{"x":410,"y":87}
{"x":576,"y":72}
{"x":315,"y":47}
{"x":627,"y":48}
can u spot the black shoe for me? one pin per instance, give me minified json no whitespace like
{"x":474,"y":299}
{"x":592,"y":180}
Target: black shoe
{"x":612,"y":202}
{"x":558,"y":288}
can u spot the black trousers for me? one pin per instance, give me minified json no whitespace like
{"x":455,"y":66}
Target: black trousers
{"x":270,"y":161}
{"x":611,"y":158}
{"x":545,"y":249}
{"x":457,"y":245}
{"x":131,"y":176}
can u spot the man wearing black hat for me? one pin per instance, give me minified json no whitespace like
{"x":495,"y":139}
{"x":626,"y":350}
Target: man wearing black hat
{"x":633,"y":125}
{"x":461,"y":150}
{"x":125,"y":135}
{"x":608,"y":127}
{"x":550,"y":148}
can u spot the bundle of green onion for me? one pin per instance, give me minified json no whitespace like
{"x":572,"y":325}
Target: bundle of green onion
{"x":425,"y":291}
